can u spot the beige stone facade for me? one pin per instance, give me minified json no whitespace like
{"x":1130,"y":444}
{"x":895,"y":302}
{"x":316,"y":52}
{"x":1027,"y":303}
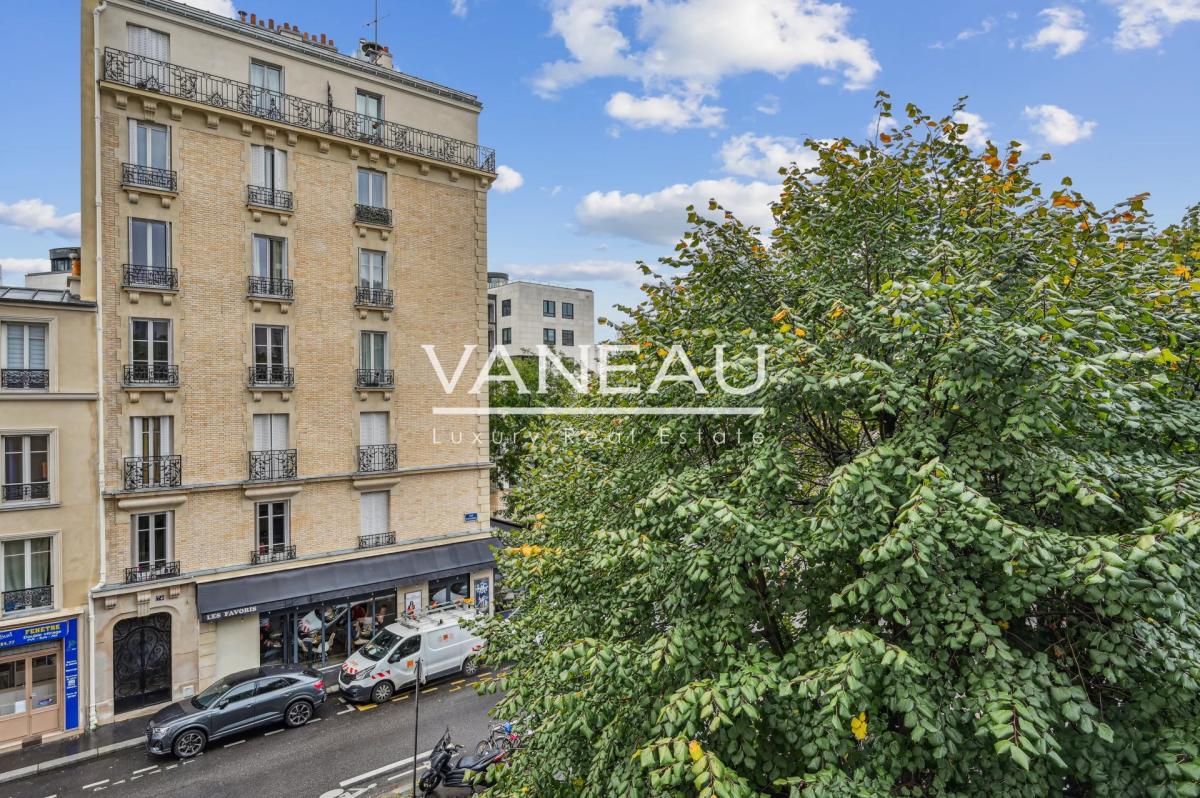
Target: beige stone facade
{"x":205,"y":490}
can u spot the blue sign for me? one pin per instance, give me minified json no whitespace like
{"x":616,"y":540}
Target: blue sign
{"x":43,"y":633}
{"x":470,"y":518}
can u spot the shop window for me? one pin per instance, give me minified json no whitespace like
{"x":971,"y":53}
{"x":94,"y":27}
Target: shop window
{"x":323,"y":634}
{"x":43,"y":689}
{"x":12,"y":687}
{"x":450,"y":589}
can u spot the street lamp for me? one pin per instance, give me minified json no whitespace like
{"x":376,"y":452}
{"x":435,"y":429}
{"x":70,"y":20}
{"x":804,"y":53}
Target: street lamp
{"x":418,"y":672}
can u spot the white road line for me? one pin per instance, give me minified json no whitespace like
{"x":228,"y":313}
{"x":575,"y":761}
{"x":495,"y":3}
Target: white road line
{"x":190,"y":761}
{"x":115,"y":783}
{"x":52,"y":796}
{"x":401,"y":775}
{"x":134,"y":778}
{"x":143,"y":770}
{"x":314,"y":720}
{"x":347,"y":709}
{"x":94,"y":784}
{"x":378,"y":771}
{"x":277,"y":731}
{"x":231,"y":745}
{"x":172,"y":767}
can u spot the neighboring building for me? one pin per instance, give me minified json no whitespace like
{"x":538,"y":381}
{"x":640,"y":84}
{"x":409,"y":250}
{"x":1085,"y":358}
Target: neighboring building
{"x":48,"y":510}
{"x":64,"y":264}
{"x":282,"y":227}
{"x":529,"y":314}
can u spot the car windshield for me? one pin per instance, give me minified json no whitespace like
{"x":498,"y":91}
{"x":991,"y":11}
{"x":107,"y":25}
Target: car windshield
{"x":380,"y":645}
{"x":208,"y":697}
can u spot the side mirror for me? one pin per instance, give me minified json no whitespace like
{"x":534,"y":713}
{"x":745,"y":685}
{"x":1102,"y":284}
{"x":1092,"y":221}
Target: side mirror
{"x":224,"y":702}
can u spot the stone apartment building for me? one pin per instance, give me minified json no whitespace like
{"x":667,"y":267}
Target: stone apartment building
{"x":523,"y":315}
{"x":267,"y":223}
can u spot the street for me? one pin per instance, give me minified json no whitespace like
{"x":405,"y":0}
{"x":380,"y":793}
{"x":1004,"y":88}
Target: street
{"x":344,"y":752}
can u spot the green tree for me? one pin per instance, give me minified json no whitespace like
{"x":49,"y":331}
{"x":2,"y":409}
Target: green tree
{"x":511,"y":433}
{"x":956,"y":554}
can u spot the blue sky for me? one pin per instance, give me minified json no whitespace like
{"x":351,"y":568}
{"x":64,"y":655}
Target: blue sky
{"x":615,"y":114}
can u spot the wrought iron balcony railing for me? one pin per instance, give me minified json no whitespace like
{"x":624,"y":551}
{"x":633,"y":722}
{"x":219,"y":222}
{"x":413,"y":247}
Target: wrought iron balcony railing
{"x":375,"y":378}
{"x":374,"y":297}
{"x":25,"y":492}
{"x":272,"y":554}
{"x":25,"y":379}
{"x":172,"y":80}
{"x":269,"y":197}
{"x":134,"y":276}
{"x":381,"y":539}
{"x":377,"y":457}
{"x":372,"y":214}
{"x":163,"y":471}
{"x":30,"y":598}
{"x":158,"y":374}
{"x":273,"y":464}
{"x":133,"y":174}
{"x":148,"y":572}
{"x":274,"y":287}
{"x":272,"y":377}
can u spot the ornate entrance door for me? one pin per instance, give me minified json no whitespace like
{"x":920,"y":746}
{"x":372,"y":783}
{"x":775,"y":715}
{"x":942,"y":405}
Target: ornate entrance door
{"x":141,"y":662}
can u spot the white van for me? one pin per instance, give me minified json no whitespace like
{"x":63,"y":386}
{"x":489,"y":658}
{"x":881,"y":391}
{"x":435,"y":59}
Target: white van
{"x":387,"y":663}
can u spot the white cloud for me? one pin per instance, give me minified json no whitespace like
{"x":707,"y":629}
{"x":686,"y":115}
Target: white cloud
{"x":659,"y":217}
{"x":985,"y":27}
{"x":581,"y":271}
{"x":977,"y":129}
{"x":13,"y":270}
{"x":39,"y":217}
{"x":881,"y":124}
{"x":1057,"y":125}
{"x":458,"y":8}
{"x":1144,"y":23}
{"x":1064,"y":31}
{"x":684,"y":49}
{"x":507,"y":179}
{"x":762,"y":156}
{"x":222,"y":7}
{"x":769,"y":105}
{"x":670,"y":113}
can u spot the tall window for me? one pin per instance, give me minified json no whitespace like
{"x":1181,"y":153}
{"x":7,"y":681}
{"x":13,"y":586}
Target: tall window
{"x":268,"y":167}
{"x":270,"y":257}
{"x":372,"y":188}
{"x":149,"y":43}
{"x":373,"y":513}
{"x":272,"y":526}
{"x":26,"y":568}
{"x":149,"y":144}
{"x":548,"y":336}
{"x":491,"y":340}
{"x":150,"y":347}
{"x":152,"y":540}
{"x":568,"y":310}
{"x":369,"y":105}
{"x":372,"y":429}
{"x":270,"y":349}
{"x":548,"y":307}
{"x":270,"y":431}
{"x":151,"y":436}
{"x":26,"y":468}
{"x":24,"y":345}
{"x":568,"y":338}
{"x":372,"y":269}
{"x":267,"y":81}
{"x":491,"y":312}
{"x":506,"y":335}
{"x":506,"y":307}
{"x":373,"y":351}
{"x":149,"y":244}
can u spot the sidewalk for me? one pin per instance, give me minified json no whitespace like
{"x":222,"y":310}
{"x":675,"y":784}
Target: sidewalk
{"x":38,"y":758}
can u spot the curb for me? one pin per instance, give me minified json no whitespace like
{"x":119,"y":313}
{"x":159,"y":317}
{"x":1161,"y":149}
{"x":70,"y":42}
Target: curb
{"x":63,"y":761}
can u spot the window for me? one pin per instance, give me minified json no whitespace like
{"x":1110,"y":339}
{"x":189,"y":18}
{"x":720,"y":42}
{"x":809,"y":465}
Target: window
{"x":373,"y":350}
{"x":372,"y":269}
{"x":268,"y":167}
{"x":26,"y":468}
{"x":151,"y":436}
{"x":277,"y":683}
{"x":506,"y":335}
{"x":267,"y":83}
{"x":491,"y":313}
{"x":24,"y":345}
{"x":270,"y":431}
{"x":491,"y":340}
{"x":568,"y":310}
{"x":149,"y":43}
{"x":452,"y":588}
{"x":370,"y":105}
{"x":149,"y":244}
{"x":373,"y":513}
{"x":151,"y":444}
{"x":372,"y":429}
{"x":150,"y":346}
{"x":152,"y":540}
{"x":270,"y":257}
{"x":273,"y":526}
{"x":270,"y":348}
{"x":372,"y":188}
{"x":506,"y":307}
{"x":548,"y":307}
{"x":568,"y":338}
{"x":243,"y":692}
{"x":26,"y":568}
{"x":548,"y":336}
{"x":149,"y":144}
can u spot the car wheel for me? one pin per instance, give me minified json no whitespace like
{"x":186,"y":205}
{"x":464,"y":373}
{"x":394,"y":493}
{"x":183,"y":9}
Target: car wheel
{"x":189,"y":743}
{"x":470,"y":666}
{"x":298,"y":714}
{"x":382,"y":692}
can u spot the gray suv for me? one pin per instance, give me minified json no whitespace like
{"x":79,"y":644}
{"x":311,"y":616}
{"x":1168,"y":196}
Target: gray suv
{"x":235,"y":703}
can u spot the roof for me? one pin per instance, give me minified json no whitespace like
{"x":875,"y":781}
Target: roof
{"x":42,"y":296}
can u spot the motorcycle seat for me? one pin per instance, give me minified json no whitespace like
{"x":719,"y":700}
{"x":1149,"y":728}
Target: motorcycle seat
{"x":471,"y":760}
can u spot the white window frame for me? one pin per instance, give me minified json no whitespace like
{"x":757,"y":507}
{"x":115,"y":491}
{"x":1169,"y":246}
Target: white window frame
{"x":26,"y":465}
{"x":5,"y":325}
{"x":368,"y":263}
{"x":150,"y":323}
{"x":371,"y":199}
{"x":27,"y":540}
{"x":274,"y":429}
{"x":361,"y":95}
{"x":135,"y":154}
{"x":270,"y":364}
{"x":287,"y":525}
{"x":162,"y":49}
{"x":363,"y":360}
{"x":268,"y":172}
{"x":135,"y":533}
{"x":257,"y":266}
{"x":157,"y":428}
{"x":366,"y":528}
{"x":148,"y":261}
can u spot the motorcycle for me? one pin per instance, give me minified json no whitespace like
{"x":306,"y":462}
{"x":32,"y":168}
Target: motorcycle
{"x":455,"y":771}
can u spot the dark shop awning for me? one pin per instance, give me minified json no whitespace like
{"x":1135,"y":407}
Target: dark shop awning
{"x":244,"y":595}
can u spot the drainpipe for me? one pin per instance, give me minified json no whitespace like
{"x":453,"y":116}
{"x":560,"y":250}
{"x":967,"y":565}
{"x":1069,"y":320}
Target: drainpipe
{"x":100,"y":459}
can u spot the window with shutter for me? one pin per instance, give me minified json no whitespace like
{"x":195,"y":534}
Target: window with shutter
{"x":372,"y":429}
{"x":374,"y":513}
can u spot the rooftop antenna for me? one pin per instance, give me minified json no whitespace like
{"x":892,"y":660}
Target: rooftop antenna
{"x":375,"y":24}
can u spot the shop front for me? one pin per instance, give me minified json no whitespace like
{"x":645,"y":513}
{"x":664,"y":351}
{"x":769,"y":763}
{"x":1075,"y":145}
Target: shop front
{"x":39,"y":680}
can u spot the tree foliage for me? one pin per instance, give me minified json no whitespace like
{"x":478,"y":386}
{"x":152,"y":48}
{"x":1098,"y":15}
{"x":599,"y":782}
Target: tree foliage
{"x":956,"y":554}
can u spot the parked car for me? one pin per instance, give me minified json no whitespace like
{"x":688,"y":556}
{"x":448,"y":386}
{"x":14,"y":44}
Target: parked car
{"x":438,"y":640}
{"x":235,"y":703}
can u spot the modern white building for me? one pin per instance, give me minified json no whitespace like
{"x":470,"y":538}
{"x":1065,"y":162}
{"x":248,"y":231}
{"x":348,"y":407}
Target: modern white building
{"x":527,"y":314}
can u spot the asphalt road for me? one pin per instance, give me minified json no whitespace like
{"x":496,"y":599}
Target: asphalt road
{"x":344,"y":752}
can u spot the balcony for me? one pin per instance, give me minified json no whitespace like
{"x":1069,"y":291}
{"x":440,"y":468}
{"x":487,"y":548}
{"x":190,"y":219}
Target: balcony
{"x":163,"y":471}
{"x":272,"y":377}
{"x":372,"y":215}
{"x":375,"y":378}
{"x":30,"y":598}
{"x":273,"y":464}
{"x":270,"y":288}
{"x":171,"y":80}
{"x":378,"y":457}
{"x":137,"y":176}
{"x":148,"y":572}
{"x":144,"y":375}
{"x":273,"y":198}
{"x":25,"y":379}
{"x":374,"y":297}
{"x":25,"y":492}
{"x":154,"y":278}
{"x":372,"y":541}
{"x":265,"y":554}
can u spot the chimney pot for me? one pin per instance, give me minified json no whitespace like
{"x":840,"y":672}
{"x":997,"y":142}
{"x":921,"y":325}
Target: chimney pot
{"x":242,"y":14}
{"x":253,"y":19}
{"x":322,"y":38}
{"x":262,"y":23}
{"x":306,"y":36}
{"x":271,"y":23}
{"x":331,"y":42}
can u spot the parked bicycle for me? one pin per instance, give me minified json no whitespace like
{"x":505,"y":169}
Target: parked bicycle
{"x":502,"y":738}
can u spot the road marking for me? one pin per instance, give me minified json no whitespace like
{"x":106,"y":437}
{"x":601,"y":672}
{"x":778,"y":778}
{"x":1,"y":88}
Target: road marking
{"x":454,"y":689}
{"x":115,"y":783}
{"x":276,"y":731}
{"x":231,"y":745}
{"x":52,"y":796}
{"x":378,"y":771}
{"x":134,"y":778}
{"x":458,"y":681}
{"x":172,"y":767}
{"x":429,"y":690}
{"x":408,"y":772}
{"x":347,"y":709}
{"x":190,"y":761}
{"x":364,"y":707}
{"x":94,"y":784}
{"x":404,"y":697}
{"x":143,"y":770}
{"x":314,"y":720}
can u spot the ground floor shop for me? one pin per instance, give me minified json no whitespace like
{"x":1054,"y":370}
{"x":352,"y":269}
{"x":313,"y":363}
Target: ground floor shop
{"x":39,"y":680}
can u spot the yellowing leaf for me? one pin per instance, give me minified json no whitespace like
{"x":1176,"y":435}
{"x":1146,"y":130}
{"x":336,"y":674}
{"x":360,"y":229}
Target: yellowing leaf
{"x":885,"y":138}
{"x":992,"y":161}
{"x":779,"y":314}
{"x":858,"y":726}
{"x":695,"y":751}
